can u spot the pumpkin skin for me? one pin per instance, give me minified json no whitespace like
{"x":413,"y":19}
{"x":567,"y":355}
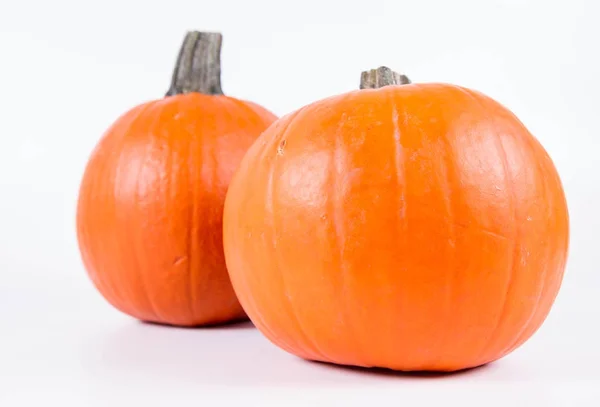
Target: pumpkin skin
{"x":149,"y":218}
{"x":413,"y":227}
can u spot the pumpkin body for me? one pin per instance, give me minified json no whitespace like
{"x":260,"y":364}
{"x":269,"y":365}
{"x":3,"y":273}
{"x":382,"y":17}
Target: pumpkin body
{"x":149,"y":218}
{"x":414,"y":227}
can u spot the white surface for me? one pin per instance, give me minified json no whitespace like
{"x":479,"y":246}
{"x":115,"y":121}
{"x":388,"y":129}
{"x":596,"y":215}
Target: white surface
{"x":70,"y":68}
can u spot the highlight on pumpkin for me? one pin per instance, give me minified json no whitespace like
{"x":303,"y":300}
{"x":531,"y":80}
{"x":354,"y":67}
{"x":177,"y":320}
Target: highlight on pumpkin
{"x":400,"y":229}
{"x":149,"y":215}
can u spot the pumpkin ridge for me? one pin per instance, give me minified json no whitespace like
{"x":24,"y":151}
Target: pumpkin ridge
{"x":99,"y":172}
{"x":166,"y":187}
{"x":400,"y":178}
{"x":118,"y":168}
{"x":338,"y":220}
{"x":213,"y":177}
{"x":196,"y":222}
{"x":399,"y":157}
{"x":337,"y":216}
{"x":451,"y":271}
{"x":143,"y":161}
{"x":256,"y":155}
{"x":515,"y":241}
{"x":269,"y":200}
{"x":531,"y":319}
{"x":193,"y":221}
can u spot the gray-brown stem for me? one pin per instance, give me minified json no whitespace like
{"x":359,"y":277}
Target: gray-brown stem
{"x":380,"y":77}
{"x":198,"y":67}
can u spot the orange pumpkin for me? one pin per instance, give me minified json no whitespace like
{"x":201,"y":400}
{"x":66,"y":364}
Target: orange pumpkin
{"x":411,"y":227}
{"x":149,"y":217}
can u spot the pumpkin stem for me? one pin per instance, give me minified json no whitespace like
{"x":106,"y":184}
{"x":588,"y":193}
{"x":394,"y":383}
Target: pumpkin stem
{"x":198,"y":67}
{"x":380,"y":77}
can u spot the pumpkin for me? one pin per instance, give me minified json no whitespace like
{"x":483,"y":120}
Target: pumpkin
{"x":403,"y":226}
{"x":149,"y":215}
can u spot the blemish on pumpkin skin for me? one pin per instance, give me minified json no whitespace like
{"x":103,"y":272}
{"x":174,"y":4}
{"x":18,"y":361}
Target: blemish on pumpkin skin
{"x":179,"y":259}
{"x":281,"y":147}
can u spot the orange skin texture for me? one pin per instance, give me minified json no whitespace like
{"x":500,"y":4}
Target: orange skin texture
{"x":414,"y":227}
{"x":149,"y":218}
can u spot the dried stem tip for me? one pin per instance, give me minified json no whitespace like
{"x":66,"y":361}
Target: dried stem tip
{"x":198,"y":67}
{"x":380,"y":77}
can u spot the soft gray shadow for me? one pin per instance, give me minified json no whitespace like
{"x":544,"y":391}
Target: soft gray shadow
{"x":415,"y":375}
{"x":231,"y":355}
{"x":236,"y":324}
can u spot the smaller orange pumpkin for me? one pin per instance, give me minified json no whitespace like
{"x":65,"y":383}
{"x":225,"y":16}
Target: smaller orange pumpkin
{"x":149,"y":216}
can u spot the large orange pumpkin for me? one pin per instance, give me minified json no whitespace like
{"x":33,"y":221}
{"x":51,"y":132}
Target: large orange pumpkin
{"x":150,"y":208}
{"x":411,"y":227}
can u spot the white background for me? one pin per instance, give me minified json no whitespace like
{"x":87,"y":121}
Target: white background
{"x":69,"y":68}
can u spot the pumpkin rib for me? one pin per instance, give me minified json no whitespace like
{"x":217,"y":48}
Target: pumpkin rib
{"x":283,"y":135}
{"x":268,"y":201}
{"x":399,"y":159}
{"x":280,"y":134}
{"x":97,"y":173}
{"x":547,"y":252}
{"x":135,"y":249}
{"x":211,"y":148}
{"x":508,"y":180}
{"x":256,"y":157}
{"x":166,"y":189}
{"x":451,"y":272}
{"x":109,"y":173}
{"x":564,"y":244}
{"x":107,"y":176}
{"x":542,"y":292}
{"x":522,"y":335}
{"x":200,"y":180}
{"x":209,"y":177}
{"x":250,"y":161}
{"x":400,"y":176}
{"x":192,"y":242}
{"x":113,"y":178}
{"x":339,"y":235}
